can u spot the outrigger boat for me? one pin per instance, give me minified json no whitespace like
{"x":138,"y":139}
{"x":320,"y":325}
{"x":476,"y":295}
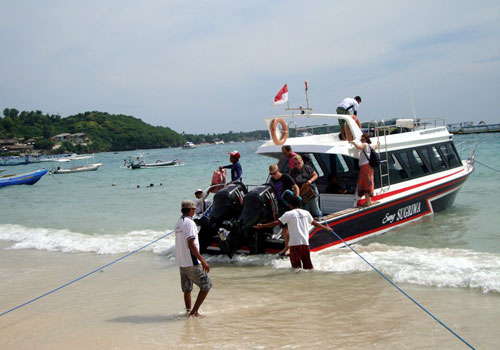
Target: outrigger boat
{"x":81,"y":165}
{"x":420,"y":174}
{"x":22,"y":179}
{"x":138,"y":162}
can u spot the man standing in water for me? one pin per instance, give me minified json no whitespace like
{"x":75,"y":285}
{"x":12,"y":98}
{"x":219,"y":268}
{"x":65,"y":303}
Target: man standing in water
{"x":193,"y":268}
{"x":295,"y":223}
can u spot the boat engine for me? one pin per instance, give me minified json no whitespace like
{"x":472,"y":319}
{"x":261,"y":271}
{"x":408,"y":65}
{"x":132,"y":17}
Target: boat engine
{"x":259,"y":205}
{"x":226,"y":206}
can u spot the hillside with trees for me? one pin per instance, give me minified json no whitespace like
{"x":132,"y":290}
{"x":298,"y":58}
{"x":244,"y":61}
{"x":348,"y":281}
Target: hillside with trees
{"x":107,"y":132}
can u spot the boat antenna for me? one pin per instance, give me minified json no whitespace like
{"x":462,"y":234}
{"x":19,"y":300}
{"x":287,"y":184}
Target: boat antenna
{"x":307,"y":96}
{"x":412,"y":102}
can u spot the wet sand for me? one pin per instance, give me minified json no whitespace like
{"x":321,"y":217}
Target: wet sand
{"x":137,"y":304}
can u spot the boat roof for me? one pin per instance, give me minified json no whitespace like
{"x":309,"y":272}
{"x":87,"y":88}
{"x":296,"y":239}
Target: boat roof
{"x":424,"y":131}
{"x":69,"y":159}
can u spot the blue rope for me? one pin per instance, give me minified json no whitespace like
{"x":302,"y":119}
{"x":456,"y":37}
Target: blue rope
{"x":82,"y":277}
{"x":477,"y":161}
{"x":402,"y":291}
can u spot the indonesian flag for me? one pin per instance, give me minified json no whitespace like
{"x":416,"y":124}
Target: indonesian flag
{"x":282,"y":96}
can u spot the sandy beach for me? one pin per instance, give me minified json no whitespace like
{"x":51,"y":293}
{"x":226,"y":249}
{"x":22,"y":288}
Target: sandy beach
{"x":137,"y":304}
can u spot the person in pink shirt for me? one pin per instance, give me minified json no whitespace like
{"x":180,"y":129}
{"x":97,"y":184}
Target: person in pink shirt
{"x":287,"y":151}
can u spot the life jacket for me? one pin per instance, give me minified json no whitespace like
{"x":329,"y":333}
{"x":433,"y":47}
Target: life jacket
{"x":219,"y":177}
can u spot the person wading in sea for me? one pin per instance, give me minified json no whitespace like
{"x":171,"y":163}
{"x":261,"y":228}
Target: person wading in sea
{"x":295,"y":224}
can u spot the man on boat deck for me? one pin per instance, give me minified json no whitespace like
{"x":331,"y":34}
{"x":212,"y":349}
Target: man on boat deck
{"x":348,"y":106}
{"x":202,"y":203}
{"x":295,"y":224}
{"x":287,"y":151}
{"x":193,"y":268}
{"x":281,"y":183}
{"x":235,"y":166}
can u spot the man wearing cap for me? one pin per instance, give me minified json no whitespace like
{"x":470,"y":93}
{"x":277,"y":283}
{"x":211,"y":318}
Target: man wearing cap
{"x":193,"y":268}
{"x":348,"y":106}
{"x":235,"y":166}
{"x":201,"y":203}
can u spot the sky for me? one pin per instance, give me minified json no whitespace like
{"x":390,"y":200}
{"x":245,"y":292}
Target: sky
{"x":215,"y":66}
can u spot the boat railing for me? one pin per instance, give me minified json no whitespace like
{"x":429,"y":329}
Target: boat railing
{"x":467,"y":149}
{"x":425,"y":123}
{"x":317,"y":129}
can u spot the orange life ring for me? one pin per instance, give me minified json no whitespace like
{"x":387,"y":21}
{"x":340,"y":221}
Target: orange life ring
{"x":274,"y":129}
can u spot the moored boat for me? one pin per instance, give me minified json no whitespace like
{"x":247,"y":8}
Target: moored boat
{"x":470,"y":128}
{"x":188,"y":145}
{"x":22,"y":179}
{"x":77,"y":164}
{"x":420,"y":174}
{"x":138,"y":162}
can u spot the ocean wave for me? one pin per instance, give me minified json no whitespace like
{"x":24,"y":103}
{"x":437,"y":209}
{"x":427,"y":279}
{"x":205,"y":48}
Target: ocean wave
{"x":66,"y":241}
{"x":438,"y":267}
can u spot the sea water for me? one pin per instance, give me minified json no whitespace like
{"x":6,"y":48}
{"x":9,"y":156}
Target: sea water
{"x":451,"y":260}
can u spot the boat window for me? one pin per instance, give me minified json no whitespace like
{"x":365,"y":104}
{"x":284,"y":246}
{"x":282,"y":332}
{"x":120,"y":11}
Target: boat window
{"x":420,"y":162}
{"x":405,"y":161}
{"x":396,"y":171}
{"x":438,"y":163}
{"x":449,"y":155}
{"x":411,"y":163}
{"x":311,"y":160}
{"x":341,"y":165}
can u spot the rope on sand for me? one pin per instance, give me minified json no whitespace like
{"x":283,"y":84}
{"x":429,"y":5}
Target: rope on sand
{"x":86,"y":275}
{"x":402,"y":291}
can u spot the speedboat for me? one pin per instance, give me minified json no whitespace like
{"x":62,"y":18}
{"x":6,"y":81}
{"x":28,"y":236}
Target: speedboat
{"x":420,"y":173}
{"x":22,"y":179}
{"x":188,"y":145}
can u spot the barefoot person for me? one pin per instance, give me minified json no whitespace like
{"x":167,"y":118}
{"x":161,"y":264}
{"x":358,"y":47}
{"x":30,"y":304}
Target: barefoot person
{"x":365,"y":178}
{"x":296,"y":222}
{"x":193,"y":268}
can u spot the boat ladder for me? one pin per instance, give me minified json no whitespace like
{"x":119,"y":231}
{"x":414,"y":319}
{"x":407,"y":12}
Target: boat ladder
{"x":383,"y":167}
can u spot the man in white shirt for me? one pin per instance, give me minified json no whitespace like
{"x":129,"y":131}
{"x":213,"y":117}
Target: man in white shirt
{"x":193,"y":268}
{"x":295,"y":224}
{"x":348,"y":106}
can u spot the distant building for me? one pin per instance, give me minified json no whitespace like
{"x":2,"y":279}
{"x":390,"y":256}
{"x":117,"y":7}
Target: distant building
{"x":14,"y":145}
{"x":78,"y":138}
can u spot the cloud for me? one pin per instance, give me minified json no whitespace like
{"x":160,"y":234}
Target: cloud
{"x":214,"y":66}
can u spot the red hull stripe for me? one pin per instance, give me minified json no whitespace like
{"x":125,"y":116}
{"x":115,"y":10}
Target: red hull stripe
{"x":429,"y":211}
{"x":393,"y":193}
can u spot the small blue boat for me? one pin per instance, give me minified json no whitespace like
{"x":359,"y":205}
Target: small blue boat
{"x":22,"y":179}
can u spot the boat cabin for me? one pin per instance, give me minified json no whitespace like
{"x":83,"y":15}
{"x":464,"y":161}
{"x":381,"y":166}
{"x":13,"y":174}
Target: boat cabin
{"x":409,"y":151}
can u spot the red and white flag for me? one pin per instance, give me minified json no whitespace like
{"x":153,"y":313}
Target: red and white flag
{"x":282,"y":96}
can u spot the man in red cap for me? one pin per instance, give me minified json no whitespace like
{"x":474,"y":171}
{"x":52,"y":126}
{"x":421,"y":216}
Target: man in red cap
{"x":235,"y":166}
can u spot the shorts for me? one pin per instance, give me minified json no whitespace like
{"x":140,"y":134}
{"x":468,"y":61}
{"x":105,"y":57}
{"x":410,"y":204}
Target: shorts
{"x":300,"y":257}
{"x":196,"y":275}
{"x":342,"y":110}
